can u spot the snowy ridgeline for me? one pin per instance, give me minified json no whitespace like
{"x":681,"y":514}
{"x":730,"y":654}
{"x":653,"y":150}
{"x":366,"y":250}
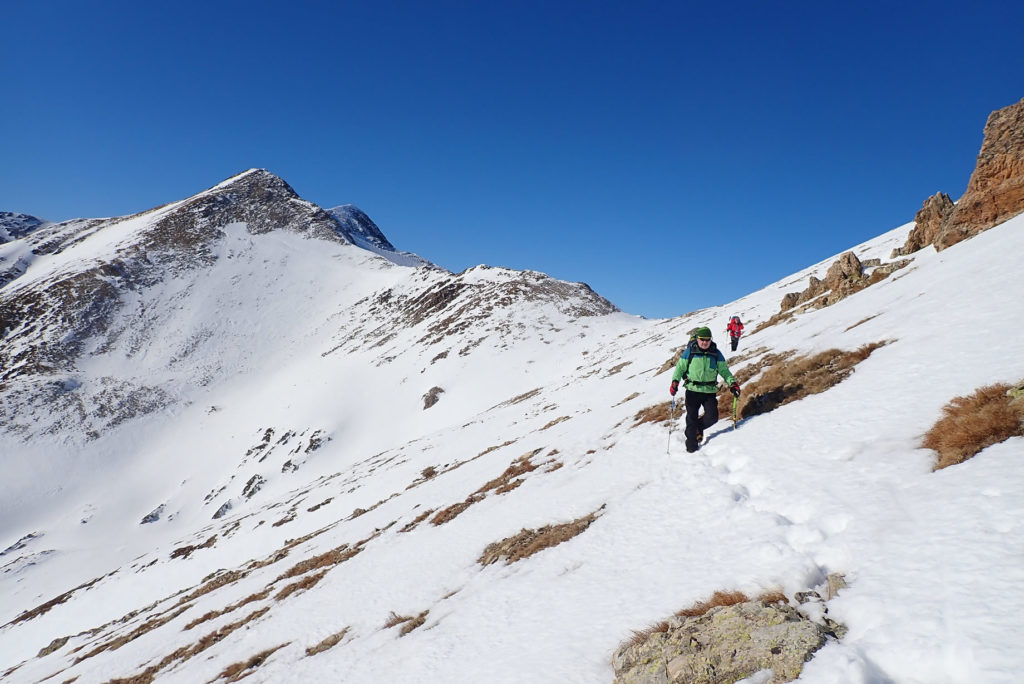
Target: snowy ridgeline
{"x":293,"y":511}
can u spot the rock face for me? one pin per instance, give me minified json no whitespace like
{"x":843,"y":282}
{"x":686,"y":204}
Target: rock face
{"x":14,"y":226}
{"x":726,"y":644}
{"x":995,"y":192}
{"x":360,"y":227}
{"x":929,"y":222}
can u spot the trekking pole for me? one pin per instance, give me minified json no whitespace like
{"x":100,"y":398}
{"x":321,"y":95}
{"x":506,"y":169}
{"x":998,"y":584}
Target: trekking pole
{"x":735,"y":401}
{"x":671,"y":423}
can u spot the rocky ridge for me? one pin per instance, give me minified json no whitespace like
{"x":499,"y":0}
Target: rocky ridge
{"x":995,"y":191}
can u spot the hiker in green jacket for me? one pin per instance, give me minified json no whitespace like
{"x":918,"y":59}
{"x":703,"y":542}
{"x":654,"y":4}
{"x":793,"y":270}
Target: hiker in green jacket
{"x":699,"y":368}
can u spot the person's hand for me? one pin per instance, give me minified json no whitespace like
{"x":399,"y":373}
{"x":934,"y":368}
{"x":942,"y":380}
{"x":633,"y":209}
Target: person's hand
{"x":673,"y":388}
{"x":735,"y":389}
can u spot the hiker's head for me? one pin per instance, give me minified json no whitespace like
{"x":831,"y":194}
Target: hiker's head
{"x":703,"y":337}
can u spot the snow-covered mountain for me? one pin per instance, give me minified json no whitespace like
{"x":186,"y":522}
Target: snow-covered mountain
{"x":244,"y":436}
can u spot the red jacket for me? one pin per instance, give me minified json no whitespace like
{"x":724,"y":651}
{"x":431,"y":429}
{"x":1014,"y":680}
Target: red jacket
{"x":735,"y":328}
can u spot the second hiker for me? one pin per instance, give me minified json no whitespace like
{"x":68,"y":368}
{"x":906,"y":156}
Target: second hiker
{"x":735,"y":329}
{"x":699,"y":368}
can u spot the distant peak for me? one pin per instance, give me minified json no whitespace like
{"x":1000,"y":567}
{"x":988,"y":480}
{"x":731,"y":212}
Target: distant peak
{"x":255,"y":180}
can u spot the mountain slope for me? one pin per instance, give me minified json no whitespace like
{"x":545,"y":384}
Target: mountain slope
{"x":294,"y":377}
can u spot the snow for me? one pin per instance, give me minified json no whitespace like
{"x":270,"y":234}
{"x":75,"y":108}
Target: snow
{"x":836,"y":482}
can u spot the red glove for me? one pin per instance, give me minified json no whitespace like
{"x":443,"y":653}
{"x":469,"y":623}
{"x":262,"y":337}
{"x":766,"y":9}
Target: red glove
{"x":735,"y":389}
{"x":673,"y":388}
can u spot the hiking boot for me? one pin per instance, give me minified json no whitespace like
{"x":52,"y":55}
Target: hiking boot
{"x":700,"y":437}
{"x":690,"y":450}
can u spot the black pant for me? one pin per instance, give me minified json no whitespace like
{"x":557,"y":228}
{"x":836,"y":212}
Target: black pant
{"x":735,"y":342}
{"x":695,"y":424}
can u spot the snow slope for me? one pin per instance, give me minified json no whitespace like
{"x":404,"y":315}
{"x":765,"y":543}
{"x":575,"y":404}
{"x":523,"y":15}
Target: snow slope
{"x":299,"y":343}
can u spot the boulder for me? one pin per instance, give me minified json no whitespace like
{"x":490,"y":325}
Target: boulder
{"x":726,"y":644}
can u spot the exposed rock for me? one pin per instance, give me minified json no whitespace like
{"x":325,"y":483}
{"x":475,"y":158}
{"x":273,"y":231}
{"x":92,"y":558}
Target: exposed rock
{"x":54,"y":646}
{"x":726,"y":644}
{"x":14,"y":226}
{"x":995,"y":191}
{"x":154,"y":515}
{"x":359,"y":227}
{"x":431,"y":397}
{"x":928,"y":223}
{"x":844,"y":277}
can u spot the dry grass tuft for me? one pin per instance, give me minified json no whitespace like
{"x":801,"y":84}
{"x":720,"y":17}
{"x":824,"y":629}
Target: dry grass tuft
{"x":139,"y":631}
{"x":659,"y":413}
{"x":49,"y":605}
{"x":413,"y":623}
{"x":528,"y":542}
{"x":641,"y":636}
{"x":237,"y":671}
{"x":410,"y":622}
{"x":303,"y":584}
{"x":796,"y":378}
{"x":186,"y":551}
{"x":324,"y":560}
{"x":451,"y":512}
{"x":329,"y":642}
{"x":233,"y":607}
{"x":420,"y":518}
{"x":520,"y":466}
{"x":186,"y":652}
{"x":553,"y":423}
{"x":970,"y":424}
{"x":506,"y":482}
{"x":719,"y":598}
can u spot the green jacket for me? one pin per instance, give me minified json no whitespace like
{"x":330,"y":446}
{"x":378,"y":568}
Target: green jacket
{"x":702,"y":368}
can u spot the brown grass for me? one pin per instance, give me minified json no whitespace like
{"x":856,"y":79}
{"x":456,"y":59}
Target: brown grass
{"x":506,"y":482}
{"x":794,"y":379}
{"x":186,"y":652}
{"x":631,"y":397}
{"x":213,"y":614}
{"x":237,"y":671}
{"x":319,"y":505}
{"x":413,"y":623}
{"x":780,"y":317}
{"x":419,"y":518}
{"x":139,"y":631}
{"x":641,"y":636}
{"x":451,"y":512}
{"x":329,"y":642}
{"x":324,"y":560}
{"x":970,"y":424}
{"x":49,"y":605}
{"x":659,"y":413}
{"x":303,"y":584}
{"x":520,"y":466}
{"x":719,"y":598}
{"x":555,"y":422}
{"x":528,"y":542}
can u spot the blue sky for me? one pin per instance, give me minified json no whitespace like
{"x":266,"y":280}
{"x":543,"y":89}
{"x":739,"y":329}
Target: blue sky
{"x":673,"y":155}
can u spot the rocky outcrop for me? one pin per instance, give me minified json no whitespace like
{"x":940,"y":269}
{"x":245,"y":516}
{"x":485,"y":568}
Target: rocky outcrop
{"x":995,"y":192}
{"x":844,"y":277}
{"x":14,"y":226}
{"x":726,"y":644}
{"x":928,"y":223}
